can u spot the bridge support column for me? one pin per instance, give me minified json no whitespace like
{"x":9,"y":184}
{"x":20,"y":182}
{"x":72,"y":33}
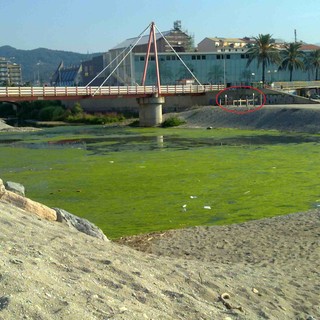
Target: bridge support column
{"x":150,"y":111}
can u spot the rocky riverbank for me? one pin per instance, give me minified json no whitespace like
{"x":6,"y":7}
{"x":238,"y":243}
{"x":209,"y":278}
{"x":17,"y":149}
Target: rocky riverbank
{"x":265,"y":269}
{"x":299,"y":118}
{"x":7,"y":128}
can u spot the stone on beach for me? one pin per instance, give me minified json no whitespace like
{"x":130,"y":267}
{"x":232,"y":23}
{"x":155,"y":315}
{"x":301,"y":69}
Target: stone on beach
{"x":15,"y":187}
{"x":81,"y":224}
{"x":29,"y":205}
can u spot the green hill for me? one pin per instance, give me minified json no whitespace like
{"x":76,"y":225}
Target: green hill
{"x":41,"y":63}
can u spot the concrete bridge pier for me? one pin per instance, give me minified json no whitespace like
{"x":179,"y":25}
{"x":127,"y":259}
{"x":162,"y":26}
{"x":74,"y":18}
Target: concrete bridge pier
{"x":150,"y":111}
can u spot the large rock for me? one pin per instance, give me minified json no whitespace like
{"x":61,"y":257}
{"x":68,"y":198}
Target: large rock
{"x":81,"y":224}
{"x":28,"y":205}
{"x":15,"y":187}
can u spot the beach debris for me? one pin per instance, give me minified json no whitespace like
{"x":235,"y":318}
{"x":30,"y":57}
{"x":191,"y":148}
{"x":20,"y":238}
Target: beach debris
{"x":184,"y":207}
{"x":16,"y":261}
{"x":207,"y":207}
{"x":226,"y":296}
{"x":173,"y":295}
{"x":256,"y":291}
{"x":111,"y":161}
{"x":4,"y":302}
{"x":193,"y":197}
{"x":247,"y":192}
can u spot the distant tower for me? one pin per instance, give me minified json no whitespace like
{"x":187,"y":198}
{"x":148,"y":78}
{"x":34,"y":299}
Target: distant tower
{"x":177,"y":25}
{"x":295,"y":35}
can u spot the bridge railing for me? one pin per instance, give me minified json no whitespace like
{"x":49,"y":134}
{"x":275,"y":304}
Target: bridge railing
{"x":296,"y":84}
{"x":29,"y":93}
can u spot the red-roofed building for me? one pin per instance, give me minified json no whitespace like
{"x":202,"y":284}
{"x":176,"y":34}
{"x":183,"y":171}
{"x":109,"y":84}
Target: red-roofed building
{"x":309,"y":47}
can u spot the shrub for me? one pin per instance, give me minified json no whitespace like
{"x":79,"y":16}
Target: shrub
{"x":172,"y":122}
{"x":135,"y":123}
{"x":7,"y":110}
{"x":76,"y":109}
{"x":46,"y":114}
{"x":95,"y":118}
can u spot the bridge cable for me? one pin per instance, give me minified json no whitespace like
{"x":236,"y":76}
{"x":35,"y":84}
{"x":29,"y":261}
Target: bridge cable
{"x":131,"y":48}
{"x":179,"y":57}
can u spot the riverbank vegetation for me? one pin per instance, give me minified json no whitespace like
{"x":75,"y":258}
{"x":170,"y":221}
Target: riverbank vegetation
{"x":56,"y":111}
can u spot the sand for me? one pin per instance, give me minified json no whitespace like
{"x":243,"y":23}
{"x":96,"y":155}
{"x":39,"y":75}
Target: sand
{"x":269,"y":269}
{"x":7,"y":128}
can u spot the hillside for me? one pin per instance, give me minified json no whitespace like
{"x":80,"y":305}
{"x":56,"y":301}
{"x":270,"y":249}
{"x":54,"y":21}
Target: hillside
{"x":42,"y":60}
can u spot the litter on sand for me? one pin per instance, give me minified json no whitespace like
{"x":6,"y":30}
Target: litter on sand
{"x":193,"y":197}
{"x":207,"y":207}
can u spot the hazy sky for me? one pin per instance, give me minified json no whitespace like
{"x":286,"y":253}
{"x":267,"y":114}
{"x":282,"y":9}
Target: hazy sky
{"x":98,"y":25}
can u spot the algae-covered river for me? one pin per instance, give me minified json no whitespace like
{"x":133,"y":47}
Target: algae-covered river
{"x":132,"y":180}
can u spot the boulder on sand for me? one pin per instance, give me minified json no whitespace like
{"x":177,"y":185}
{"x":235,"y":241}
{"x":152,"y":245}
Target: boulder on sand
{"x":15,"y":187}
{"x":81,"y":224}
{"x":26,"y":204}
{"x":42,"y":211}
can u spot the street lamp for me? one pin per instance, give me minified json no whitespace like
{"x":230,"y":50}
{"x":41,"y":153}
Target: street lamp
{"x":38,"y":64}
{"x":224,"y":68}
{"x":253,"y":75}
{"x":270,"y":73}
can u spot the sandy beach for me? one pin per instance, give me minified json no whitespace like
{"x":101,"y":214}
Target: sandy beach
{"x":267,"y":269}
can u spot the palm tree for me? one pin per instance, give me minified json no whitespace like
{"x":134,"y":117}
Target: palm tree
{"x":246,"y":75}
{"x":292,"y":58}
{"x":215,"y":74}
{"x":312,"y":61}
{"x":264,"y":51}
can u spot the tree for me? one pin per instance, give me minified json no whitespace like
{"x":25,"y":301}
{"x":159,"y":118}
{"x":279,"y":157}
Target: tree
{"x":246,"y":75}
{"x":312,"y":62}
{"x":184,"y":73}
{"x":264,"y":52}
{"x":291,"y":58}
{"x":215,"y":74}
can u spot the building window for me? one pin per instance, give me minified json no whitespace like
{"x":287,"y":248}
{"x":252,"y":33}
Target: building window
{"x":141,"y":58}
{"x":228,"y":56}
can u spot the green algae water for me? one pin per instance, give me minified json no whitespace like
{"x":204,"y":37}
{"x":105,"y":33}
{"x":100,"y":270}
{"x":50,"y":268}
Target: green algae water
{"x":129,"y":181}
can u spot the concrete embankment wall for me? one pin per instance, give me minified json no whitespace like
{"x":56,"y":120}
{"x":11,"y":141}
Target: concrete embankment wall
{"x":172,"y":104}
{"x":179,"y":103}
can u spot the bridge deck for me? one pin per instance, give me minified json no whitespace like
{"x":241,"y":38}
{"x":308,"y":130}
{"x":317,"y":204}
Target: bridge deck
{"x":76,"y":93}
